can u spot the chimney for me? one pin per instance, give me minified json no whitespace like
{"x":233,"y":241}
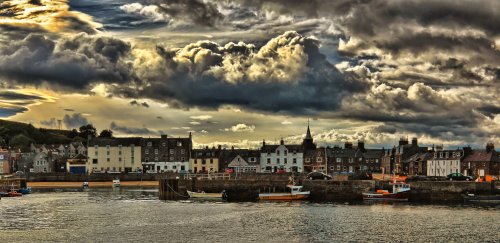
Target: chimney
{"x":263,"y":142}
{"x":164,"y":136}
{"x":414,"y":141}
{"x":282,"y":142}
{"x":403,"y":141}
{"x":361,"y":145}
{"x":490,"y":147}
{"x":467,"y":150}
{"x":232,"y":148}
{"x":348,"y":145}
{"x":219,"y":147}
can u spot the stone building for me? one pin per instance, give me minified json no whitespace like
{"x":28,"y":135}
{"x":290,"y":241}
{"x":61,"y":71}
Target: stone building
{"x":480,"y":163}
{"x":351,"y":159}
{"x":114,"y":155}
{"x":315,"y":160}
{"x":417,"y":163}
{"x":166,"y":154}
{"x":403,"y":151}
{"x":289,"y":158}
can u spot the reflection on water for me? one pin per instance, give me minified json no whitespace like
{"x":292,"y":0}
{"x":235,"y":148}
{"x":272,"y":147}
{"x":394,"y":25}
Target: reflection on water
{"x":119,"y":215}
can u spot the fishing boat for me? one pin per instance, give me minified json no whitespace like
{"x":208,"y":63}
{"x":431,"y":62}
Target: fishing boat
{"x":26,"y":190}
{"x":116,"y":183}
{"x":400,"y":192}
{"x":481,"y":198}
{"x":295,"y":193}
{"x":204,"y":195}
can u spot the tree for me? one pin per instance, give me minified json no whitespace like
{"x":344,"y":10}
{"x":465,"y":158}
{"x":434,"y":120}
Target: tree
{"x":73,"y":133}
{"x":87,"y":131}
{"x":106,"y":133}
{"x":21,"y":141}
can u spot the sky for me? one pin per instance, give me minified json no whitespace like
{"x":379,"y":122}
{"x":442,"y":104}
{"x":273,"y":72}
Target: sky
{"x":236,"y":72}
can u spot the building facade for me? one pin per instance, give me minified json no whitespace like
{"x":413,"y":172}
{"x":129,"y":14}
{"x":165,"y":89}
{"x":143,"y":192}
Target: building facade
{"x":4,"y":162}
{"x":289,"y":158}
{"x":481,"y":163}
{"x":242,"y":160}
{"x":444,"y":162}
{"x":113,"y":155}
{"x":205,"y":160}
{"x":166,"y":154}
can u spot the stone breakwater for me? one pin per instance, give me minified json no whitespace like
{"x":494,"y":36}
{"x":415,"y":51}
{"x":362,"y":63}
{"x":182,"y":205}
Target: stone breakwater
{"x":326,"y":191}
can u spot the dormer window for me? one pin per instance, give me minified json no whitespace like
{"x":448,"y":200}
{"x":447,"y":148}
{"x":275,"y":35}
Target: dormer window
{"x":150,"y":144}
{"x":179,"y":144}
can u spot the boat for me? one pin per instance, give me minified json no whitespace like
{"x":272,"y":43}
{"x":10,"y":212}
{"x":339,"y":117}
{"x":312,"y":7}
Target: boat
{"x":295,"y":193}
{"x":116,"y":183}
{"x":11,"y":193}
{"x":204,"y":195}
{"x":26,"y":190}
{"x":400,"y":192}
{"x":85,"y":185}
{"x":481,"y":198}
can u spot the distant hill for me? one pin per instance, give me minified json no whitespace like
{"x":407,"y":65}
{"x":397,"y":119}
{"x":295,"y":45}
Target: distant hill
{"x":20,"y":135}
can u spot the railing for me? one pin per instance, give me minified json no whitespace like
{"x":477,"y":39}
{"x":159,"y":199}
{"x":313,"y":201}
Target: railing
{"x":208,"y":176}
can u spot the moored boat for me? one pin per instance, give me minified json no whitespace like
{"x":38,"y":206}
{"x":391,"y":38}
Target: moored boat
{"x":400,"y":192}
{"x":295,"y":193}
{"x":26,"y":190}
{"x":204,"y":195}
{"x":116,"y":183}
{"x":481,"y":198}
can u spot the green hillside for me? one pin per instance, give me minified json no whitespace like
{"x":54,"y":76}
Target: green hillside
{"x":20,"y":135}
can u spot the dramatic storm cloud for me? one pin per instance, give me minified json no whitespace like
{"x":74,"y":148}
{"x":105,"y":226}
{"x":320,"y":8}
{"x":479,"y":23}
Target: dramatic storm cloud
{"x":365,"y":69}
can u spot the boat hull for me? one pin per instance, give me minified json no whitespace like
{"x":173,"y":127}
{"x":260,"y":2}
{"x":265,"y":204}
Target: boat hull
{"x":205,"y":195}
{"x":394,"y":197}
{"x":482,"y":199}
{"x":283,"y":196}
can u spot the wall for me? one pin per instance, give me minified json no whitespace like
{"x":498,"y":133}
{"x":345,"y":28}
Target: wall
{"x":130,"y":157}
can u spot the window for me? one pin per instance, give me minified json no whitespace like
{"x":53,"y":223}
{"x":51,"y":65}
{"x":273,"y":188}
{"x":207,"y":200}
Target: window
{"x":195,"y":161}
{"x":156,"y":158}
{"x":203,"y":161}
{"x":376,"y":160}
{"x":319,"y":160}
{"x":163,"y":144}
{"x":351,"y":160}
{"x":179,"y":144}
{"x":183,"y":151}
{"x":171,"y":151}
{"x":120,"y":159}
{"x":171,"y":158}
{"x":132,"y":160}
{"x":120,"y":152}
{"x":277,"y":152}
{"x":174,"y":167}
{"x":94,"y":161}
{"x":146,"y":159}
{"x":285,"y":152}
{"x":285,"y":160}
{"x":107,"y":152}
{"x":156,"y":151}
{"x":211,"y":161}
{"x":165,"y":167}
{"x":268,"y":160}
{"x":150,"y":144}
{"x":107,"y":147}
{"x":339,"y":160}
{"x":146,"y":151}
{"x":308,"y":160}
{"x":338,"y":167}
{"x":277,"y":160}
{"x":107,"y":159}
{"x":294,"y":160}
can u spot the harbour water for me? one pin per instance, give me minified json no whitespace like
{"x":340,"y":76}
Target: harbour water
{"x":136,"y":215}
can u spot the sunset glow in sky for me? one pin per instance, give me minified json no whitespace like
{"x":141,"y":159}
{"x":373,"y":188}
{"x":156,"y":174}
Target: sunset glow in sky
{"x":238,"y":71}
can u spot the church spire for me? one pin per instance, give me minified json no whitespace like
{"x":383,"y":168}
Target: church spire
{"x":308,"y":134}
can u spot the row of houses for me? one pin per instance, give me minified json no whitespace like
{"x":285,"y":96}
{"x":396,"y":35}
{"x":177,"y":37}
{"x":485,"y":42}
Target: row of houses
{"x":176,"y":154}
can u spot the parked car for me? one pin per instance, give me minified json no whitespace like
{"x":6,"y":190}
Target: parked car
{"x":459,"y":177}
{"x":281,"y":171}
{"x":318,"y":176}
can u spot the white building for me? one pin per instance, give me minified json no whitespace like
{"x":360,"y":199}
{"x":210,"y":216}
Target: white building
{"x":444,"y":162}
{"x":243,"y":160}
{"x":276,"y":157}
{"x":114,"y":155}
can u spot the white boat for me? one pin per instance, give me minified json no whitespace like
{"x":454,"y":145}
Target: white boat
{"x":116,"y":183}
{"x":295,"y":193}
{"x":400,"y":192}
{"x":205,"y":195}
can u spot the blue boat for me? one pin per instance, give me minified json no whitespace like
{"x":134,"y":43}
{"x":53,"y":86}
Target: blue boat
{"x":26,"y":190}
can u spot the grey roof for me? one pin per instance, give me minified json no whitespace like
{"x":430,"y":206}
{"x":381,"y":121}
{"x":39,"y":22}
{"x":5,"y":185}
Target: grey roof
{"x":115,"y":141}
{"x":272,"y":148}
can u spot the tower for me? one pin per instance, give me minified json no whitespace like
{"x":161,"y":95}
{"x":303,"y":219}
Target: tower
{"x":308,"y":143}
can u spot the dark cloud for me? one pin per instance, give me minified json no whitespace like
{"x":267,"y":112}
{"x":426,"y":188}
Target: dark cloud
{"x":197,"y":11}
{"x":11,"y":95}
{"x":11,"y":110}
{"x":70,"y":110}
{"x":288,"y":74}
{"x":70,"y":63}
{"x":74,"y":120}
{"x":137,"y":103}
{"x":131,"y":130}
